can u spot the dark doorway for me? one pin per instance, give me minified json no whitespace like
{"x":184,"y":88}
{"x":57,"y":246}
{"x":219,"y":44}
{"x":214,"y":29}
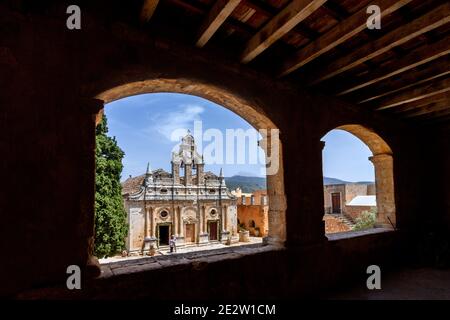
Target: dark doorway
{"x":190,"y":233}
{"x":163,"y":235}
{"x":213,"y":230}
{"x":336,"y":202}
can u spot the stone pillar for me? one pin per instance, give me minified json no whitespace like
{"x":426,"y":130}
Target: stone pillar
{"x":146,"y":222}
{"x":203,"y":219}
{"x":174,"y":222}
{"x":90,"y":115}
{"x":225,"y":218}
{"x":384,"y":184}
{"x":200,"y":219}
{"x":149,"y":239}
{"x":152,"y":227}
{"x":187,"y":174}
{"x":176,"y":173}
{"x":180,"y":223}
{"x":275,"y":192}
{"x":200,"y":174}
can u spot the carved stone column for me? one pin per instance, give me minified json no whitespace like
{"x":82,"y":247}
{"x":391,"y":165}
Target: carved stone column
{"x":180,"y":222}
{"x":146,"y":221}
{"x":175,"y":222}
{"x":152,"y":219}
{"x":384,"y":184}
{"x":275,"y":192}
{"x":225,"y":217}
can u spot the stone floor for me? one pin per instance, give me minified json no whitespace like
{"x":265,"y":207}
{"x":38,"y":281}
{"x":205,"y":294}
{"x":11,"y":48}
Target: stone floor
{"x":404,"y":284}
{"x":166,"y":251}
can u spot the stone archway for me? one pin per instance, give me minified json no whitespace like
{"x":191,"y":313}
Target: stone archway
{"x":382,"y":159}
{"x":250,"y":112}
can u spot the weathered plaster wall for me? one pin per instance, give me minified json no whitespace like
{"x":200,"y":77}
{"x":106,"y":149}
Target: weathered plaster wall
{"x":257,"y":213}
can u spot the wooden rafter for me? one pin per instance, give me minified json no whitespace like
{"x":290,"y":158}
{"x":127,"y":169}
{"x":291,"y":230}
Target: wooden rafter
{"x":430,"y":21}
{"x":434,"y":117}
{"x":415,"y":94}
{"x":434,"y":107}
{"x":412,"y":60}
{"x":407,"y":107}
{"x":339,"y":34}
{"x":282,"y":23}
{"x":216,"y":17}
{"x":407,"y":80}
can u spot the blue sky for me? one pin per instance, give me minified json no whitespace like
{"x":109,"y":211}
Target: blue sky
{"x":346,"y":157}
{"x":147,"y":127}
{"x":143,"y":126}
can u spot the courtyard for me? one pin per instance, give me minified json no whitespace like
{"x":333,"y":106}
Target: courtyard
{"x":165,"y":250}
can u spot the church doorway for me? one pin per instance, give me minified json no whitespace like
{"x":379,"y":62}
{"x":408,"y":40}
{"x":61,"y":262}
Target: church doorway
{"x":190,"y":233}
{"x":212,"y":225}
{"x":336,"y":202}
{"x":163,"y":234}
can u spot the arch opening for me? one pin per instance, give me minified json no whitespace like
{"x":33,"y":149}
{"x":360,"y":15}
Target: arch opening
{"x":275,"y":185}
{"x":363,"y":195}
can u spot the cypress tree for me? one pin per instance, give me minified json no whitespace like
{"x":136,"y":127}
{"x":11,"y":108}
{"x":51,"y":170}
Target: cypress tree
{"x":110,"y":217}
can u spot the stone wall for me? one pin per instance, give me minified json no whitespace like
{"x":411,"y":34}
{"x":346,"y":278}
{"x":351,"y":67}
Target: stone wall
{"x":355,"y":189}
{"x":257,"y":213}
{"x":355,"y":211}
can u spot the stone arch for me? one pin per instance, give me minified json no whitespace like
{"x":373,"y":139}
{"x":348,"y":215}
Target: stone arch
{"x":252,"y":113}
{"x":382,"y":159}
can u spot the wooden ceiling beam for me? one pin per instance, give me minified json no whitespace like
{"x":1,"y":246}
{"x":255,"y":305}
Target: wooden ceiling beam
{"x":434,"y":118}
{"x":405,"y":81}
{"x":421,"y":103}
{"x":336,"y":36}
{"x":436,"y":18}
{"x":434,"y":107}
{"x":336,"y":11}
{"x":415,"y":94}
{"x":268,"y":11}
{"x":148,"y":9}
{"x":282,"y":23}
{"x":410,"y":61}
{"x":215,"y":18}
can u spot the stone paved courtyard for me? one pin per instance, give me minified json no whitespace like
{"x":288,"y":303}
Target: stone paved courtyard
{"x":166,"y":251}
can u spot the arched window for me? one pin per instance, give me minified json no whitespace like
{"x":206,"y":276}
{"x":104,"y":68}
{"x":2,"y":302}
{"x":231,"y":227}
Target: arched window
{"x":358,"y":180}
{"x":186,"y":177}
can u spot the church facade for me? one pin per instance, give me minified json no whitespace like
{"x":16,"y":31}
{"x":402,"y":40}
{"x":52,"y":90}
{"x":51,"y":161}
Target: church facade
{"x":193,"y":205}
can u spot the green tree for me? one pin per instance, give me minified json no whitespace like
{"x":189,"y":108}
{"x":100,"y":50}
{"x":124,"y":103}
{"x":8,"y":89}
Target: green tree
{"x":110,"y":217}
{"x":366,"y":220}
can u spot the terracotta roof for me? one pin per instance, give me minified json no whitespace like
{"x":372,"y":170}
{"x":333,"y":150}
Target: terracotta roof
{"x":132,"y":185}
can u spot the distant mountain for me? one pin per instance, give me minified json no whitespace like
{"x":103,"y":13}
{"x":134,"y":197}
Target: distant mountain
{"x":250,"y":184}
{"x":365,"y":182}
{"x":327,"y":181}
{"x":247,"y":184}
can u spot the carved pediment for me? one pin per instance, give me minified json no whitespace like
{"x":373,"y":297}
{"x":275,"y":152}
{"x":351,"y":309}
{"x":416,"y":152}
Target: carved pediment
{"x":190,"y":219}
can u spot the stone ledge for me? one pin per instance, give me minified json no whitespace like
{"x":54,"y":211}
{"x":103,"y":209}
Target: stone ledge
{"x":194,"y":260}
{"x":355,"y":234}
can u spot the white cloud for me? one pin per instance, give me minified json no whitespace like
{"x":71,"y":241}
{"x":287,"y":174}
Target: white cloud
{"x":173,"y":124}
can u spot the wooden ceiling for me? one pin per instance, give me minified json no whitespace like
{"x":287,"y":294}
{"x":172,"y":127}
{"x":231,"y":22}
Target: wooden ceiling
{"x":325,"y":46}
